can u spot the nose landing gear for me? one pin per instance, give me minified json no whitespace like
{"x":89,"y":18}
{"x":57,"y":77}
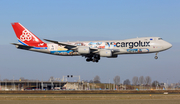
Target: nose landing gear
{"x":156,"y":57}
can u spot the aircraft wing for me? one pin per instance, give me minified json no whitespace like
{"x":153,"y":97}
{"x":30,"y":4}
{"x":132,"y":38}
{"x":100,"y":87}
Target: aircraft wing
{"x":114,"y":50}
{"x":70,"y":46}
{"x":61,"y":43}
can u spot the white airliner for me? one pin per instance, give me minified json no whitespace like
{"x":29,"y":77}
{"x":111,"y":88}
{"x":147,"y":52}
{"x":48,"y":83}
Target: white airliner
{"x":91,"y":50}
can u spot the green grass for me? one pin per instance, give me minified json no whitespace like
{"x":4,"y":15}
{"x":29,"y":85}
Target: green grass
{"x":89,"y":98}
{"x":91,"y":102}
{"x":86,"y":96}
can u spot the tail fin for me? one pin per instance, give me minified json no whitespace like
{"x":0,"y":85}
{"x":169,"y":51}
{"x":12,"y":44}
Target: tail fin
{"x":26,"y":37}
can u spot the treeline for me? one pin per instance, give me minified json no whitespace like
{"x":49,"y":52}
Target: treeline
{"x":136,"y":81}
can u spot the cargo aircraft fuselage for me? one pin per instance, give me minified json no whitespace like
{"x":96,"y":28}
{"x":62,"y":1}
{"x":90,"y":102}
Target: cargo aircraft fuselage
{"x":92,"y":50}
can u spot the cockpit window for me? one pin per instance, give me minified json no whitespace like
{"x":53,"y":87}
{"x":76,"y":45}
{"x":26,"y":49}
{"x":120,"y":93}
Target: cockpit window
{"x":160,"y":39}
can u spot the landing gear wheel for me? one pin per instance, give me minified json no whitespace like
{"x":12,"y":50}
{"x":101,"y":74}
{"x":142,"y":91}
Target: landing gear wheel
{"x":87,"y":60}
{"x":156,"y":57}
{"x":94,"y":60}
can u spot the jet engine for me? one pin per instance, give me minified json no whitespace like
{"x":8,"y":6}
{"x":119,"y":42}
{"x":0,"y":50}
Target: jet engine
{"x":105,"y":53}
{"x":83,"y":50}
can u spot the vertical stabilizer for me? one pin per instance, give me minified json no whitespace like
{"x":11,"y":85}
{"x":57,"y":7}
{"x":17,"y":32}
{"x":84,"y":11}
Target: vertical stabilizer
{"x":26,"y":37}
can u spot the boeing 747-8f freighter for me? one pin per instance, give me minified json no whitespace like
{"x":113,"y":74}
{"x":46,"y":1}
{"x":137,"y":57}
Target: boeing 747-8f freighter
{"x":91,"y":50}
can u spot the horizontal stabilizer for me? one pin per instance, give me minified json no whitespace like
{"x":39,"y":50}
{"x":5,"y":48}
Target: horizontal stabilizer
{"x":22,"y":45}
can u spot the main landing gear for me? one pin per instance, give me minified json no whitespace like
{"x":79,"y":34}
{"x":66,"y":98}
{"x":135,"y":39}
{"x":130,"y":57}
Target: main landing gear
{"x":156,"y":57}
{"x":93,"y":58}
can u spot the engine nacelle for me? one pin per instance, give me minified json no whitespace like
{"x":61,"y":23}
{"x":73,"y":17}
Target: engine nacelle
{"x":83,"y":50}
{"x":105,"y":53}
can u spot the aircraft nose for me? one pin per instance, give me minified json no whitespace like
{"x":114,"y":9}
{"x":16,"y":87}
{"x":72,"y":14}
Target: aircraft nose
{"x":168,"y":45}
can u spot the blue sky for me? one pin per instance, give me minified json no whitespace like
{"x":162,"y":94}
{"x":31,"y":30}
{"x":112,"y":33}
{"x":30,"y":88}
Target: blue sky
{"x":78,"y":20}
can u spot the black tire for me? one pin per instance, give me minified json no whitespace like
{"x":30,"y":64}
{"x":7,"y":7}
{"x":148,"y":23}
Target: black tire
{"x":97,"y":60}
{"x":156,"y":57}
{"x":87,"y":60}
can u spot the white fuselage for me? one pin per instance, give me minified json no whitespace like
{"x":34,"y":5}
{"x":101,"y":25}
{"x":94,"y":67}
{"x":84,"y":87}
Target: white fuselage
{"x":128,"y":46}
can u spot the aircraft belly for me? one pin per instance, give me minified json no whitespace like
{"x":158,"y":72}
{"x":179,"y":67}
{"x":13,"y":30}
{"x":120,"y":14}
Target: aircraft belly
{"x":65,"y":52}
{"x":56,"y":52}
